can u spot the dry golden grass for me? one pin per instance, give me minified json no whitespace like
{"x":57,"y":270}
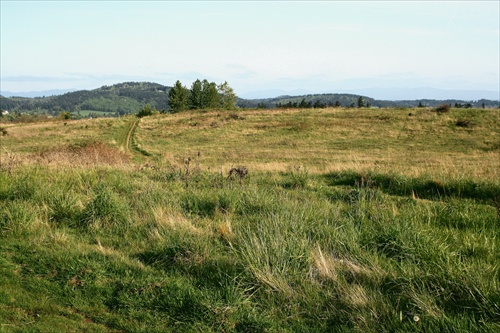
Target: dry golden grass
{"x":224,"y":229}
{"x":166,"y":219}
{"x":330,"y":267}
{"x":321,"y":141}
{"x":95,"y":153}
{"x":330,"y":140}
{"x":79,"y":143}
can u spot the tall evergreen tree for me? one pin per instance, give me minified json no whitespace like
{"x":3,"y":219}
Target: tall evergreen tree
{"x":361,"y":103}
{"x":178,"y":97}
{"x":303,"y":103}
{"x":210,"y":96}
{"x":196,"y":95}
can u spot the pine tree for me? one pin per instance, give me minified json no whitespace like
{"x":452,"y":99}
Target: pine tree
{"x":210,"y":96}
{"x":361,"y":103}
{"x":303,"y":103}
{"x":178,"y":97}
{"x":195,"y":95}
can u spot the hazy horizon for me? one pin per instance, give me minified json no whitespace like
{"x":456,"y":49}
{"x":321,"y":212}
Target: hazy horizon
{"x":255,"y":46}
{"x":393,"y":94}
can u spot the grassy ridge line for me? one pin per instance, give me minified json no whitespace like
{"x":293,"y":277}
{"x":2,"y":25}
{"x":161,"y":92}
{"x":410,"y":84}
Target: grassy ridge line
{"x":413,"y":143}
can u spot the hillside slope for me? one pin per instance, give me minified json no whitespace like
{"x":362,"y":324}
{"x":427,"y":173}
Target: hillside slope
{"x":118,"y":99}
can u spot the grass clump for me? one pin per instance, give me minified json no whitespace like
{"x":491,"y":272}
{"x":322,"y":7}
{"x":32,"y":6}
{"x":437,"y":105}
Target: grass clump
{"x":106,"y":210}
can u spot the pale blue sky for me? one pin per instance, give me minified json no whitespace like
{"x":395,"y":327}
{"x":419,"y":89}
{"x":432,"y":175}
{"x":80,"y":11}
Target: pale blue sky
{"x":316,"y":46}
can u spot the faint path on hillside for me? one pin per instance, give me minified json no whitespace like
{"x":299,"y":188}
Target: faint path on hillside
{"x":128,"y":143}
{"x":126,"y":136}
{"x":129,"y":136}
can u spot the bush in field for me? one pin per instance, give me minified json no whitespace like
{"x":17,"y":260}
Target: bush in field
{"x":144,"y":112}
{"x":65,"y":115}
{"x":443,"y":108}
{"x":464,"y":123}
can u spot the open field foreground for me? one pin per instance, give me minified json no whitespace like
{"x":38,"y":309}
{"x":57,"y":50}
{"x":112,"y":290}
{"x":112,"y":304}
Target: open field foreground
{"x":332,"y":220}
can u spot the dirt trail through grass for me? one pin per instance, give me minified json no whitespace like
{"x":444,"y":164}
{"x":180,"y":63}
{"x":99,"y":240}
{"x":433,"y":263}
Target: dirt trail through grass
{"x":129,"y":135}
{"x":128,"y":143}
{"x":126,"y":138}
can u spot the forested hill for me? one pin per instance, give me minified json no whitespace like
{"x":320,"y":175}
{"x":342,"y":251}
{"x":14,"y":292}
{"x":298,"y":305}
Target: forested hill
{"x":130,"y":97}
{"x":118,"y":99}
{"x":351,"y":100}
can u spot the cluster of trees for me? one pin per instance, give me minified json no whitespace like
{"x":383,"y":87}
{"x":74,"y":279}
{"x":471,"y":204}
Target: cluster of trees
{"x":202,"y":95}
{"x":304,"y":105}
{"x":318,"y":104}
{"x":466,"y":105}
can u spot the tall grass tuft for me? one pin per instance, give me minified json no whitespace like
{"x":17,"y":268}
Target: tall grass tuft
{"x":17,"y":217}
{"x":64,"y":207}
{"x":106,"y":210}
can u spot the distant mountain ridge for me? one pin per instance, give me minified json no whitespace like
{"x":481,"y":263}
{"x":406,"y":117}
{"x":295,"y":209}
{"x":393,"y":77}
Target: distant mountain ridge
{"x":391,"y":94}
{"x":351,"y":100}
{"x":129,"y":97}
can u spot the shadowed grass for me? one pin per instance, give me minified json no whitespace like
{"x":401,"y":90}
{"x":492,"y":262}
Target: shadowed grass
{"x":421,"y":187}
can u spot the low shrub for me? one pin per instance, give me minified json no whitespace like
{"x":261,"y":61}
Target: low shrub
{"x":443,"y":108}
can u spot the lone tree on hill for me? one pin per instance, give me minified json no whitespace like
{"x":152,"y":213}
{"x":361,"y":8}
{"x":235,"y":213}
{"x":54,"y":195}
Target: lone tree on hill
{"x":361,"y":103}
{"x":178,"y":97}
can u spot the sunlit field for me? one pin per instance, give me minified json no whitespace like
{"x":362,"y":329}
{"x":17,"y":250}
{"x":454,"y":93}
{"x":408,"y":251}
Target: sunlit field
{"x":332,"y":220}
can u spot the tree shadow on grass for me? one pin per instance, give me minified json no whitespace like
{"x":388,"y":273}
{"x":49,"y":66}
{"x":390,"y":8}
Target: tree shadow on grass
{"x":421,"y":187}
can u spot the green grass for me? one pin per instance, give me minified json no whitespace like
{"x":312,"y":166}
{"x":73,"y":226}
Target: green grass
{"x":171,"y":246}
{"x":86,"y":113}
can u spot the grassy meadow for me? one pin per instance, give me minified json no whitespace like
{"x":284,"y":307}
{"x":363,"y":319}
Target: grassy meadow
{"x":349,"y":220}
